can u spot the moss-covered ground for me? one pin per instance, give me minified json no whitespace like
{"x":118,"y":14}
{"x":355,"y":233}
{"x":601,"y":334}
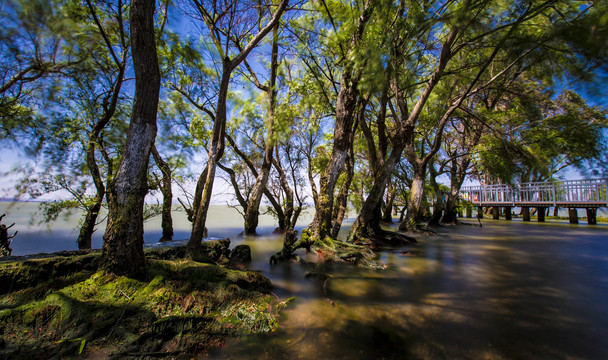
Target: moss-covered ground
{"x":61,"y":307}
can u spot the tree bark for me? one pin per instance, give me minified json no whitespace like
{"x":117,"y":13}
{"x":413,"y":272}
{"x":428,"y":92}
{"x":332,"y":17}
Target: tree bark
{"x":413,"y":215}
{"x":123,"y":252}
{"x":165,"y":188}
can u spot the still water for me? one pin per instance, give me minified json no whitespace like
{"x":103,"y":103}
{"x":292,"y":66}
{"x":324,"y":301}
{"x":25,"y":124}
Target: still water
{"x":507,"y":290}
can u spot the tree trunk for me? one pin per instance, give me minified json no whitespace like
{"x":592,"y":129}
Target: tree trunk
{"x":216,"y":150}
{"x":339,"y":211}
{"x":165,"y":188}
{"x":253,"y":209}
{"x":367,"y":223}
{"x":438,"y":204}
{"x":87,"y":229}
{"x":123,"y":252}
{"x":414,"y":203}
{"x":216,"y":147}
{"x":388,"y":206}
{"x":346,"y":105}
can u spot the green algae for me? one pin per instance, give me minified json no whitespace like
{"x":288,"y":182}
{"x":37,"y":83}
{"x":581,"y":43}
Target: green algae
{"x":184,"y":308}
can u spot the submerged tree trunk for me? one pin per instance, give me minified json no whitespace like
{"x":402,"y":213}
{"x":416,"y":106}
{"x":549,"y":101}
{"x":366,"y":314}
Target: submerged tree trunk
{"x":165,"y":188}
{"x":123,"y":252}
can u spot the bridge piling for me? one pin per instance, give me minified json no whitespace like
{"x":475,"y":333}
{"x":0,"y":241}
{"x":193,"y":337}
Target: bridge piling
{"x":525,"y":213}
{"x":508,"y":213}
{"x":573,"y":215}
{"x":540,"y":213}
{"x":591,"y":216}
{"x":495,"y":213}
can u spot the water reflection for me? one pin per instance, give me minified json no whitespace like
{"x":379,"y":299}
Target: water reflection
{"x":509,"y":290}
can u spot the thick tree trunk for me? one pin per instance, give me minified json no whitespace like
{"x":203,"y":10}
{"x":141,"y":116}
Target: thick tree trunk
{"x":123,"y":252}
{"x":414,"y":203}
{"x":165,"y":188}
{"x":367,"y":223}
{"x":346,"y":105}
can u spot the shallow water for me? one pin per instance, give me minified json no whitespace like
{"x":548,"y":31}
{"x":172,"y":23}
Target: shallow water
{"x":508,"y":290}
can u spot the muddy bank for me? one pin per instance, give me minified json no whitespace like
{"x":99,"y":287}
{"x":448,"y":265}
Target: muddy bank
{"x":59,"y":306}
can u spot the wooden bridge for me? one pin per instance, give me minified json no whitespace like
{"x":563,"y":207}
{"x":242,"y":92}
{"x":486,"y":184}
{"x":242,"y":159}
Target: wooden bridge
{"x":572,"y":194}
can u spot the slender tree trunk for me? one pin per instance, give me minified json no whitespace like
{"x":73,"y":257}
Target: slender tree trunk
{"x":87,"y":229}
{"x":123,"y":252}
{"x":166,"y":219}
{"x":388,"y":207}
{"x":253,"y":209}
{"x":438,"y":203}
{"x":216,"y":150}
{"x":339,"y":211}
{"x":285,"y":223}
{"x":216,"y":147}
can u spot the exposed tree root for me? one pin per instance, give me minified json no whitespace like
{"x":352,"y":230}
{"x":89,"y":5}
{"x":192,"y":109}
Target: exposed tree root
{"x":384,"y":239}
{"x":328,"y":250}
{"x":416,"y":227}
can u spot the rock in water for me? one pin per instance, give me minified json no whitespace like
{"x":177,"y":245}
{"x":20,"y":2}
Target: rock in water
{"x":241,"y":254}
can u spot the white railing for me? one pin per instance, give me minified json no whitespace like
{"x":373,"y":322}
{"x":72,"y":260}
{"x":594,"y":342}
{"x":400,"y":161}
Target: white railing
{"x":574,"y":193}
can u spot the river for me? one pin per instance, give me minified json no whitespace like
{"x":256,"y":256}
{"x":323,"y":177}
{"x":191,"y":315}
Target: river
{"x":507,"y":290}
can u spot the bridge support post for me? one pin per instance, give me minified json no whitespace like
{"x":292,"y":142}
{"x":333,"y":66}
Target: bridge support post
{"x":507,"y":212}
{"x":541,"y":211}
{"x":573,"y":215}
{"x":469,"y":212}
{"x":480,"y":212}
{"x":591,"y":216}
{"x":525,"y":213}
{"x":495,"y":212}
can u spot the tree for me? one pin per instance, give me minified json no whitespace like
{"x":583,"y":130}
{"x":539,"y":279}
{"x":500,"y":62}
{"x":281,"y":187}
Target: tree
{"x":122,"y":251}
{"x":220,"y":25}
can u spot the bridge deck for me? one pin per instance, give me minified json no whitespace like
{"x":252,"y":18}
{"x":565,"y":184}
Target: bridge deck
{"x":566,"y":194}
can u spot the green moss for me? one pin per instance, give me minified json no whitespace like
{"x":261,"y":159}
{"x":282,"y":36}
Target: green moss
{"x":185,"y":307}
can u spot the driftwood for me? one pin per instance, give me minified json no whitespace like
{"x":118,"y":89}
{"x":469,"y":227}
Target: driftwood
{"x":5,"y":240}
